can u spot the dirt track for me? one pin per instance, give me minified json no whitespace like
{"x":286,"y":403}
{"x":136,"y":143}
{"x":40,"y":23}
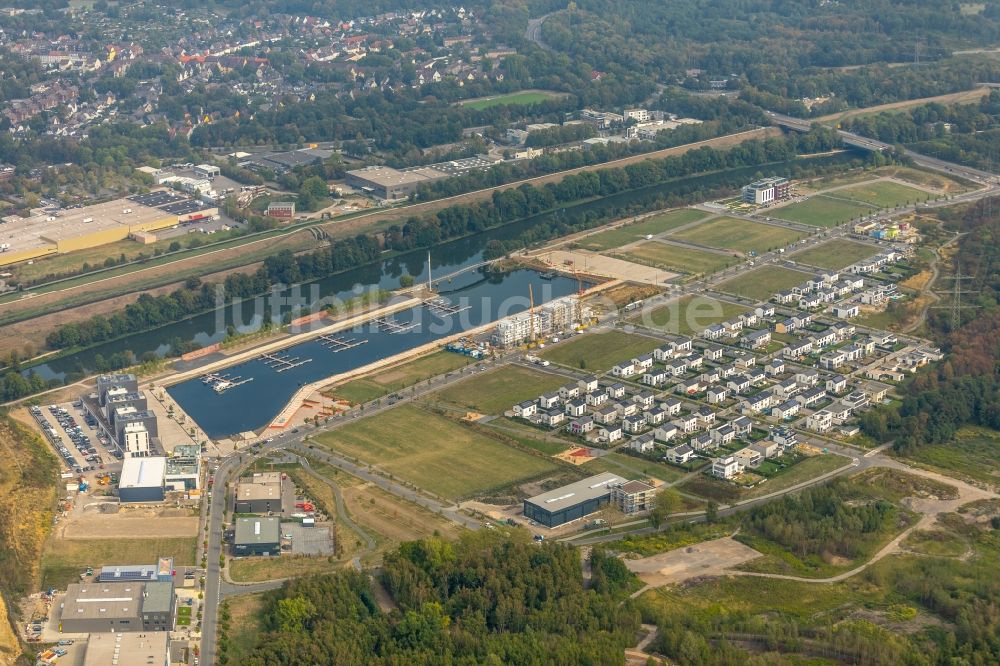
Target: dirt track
{"x":33,"y":331}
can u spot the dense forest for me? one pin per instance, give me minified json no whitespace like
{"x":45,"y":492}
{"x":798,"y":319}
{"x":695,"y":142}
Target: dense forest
{"x":965,"y":387}
{"x":486,"y":599}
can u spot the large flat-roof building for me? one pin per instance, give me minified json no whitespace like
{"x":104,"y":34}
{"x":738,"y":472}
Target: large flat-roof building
{"x":69,"y":229}
{"x":257,"y":536}
{"x":573,"y":501}
{"x":388,"y":183}
{"x":149,"y":648}
{"x":117,"y":606}
{"x":142,"y":480}
{"x":260,"y":493}
{"x":766,"y":190}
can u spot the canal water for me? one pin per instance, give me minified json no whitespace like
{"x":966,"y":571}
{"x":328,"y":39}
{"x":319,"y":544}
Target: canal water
{"x":250,"y":406}
{"x":211,"y":327}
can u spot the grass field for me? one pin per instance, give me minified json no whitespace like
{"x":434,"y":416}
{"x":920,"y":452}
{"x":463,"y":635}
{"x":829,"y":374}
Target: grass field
{"x":656,"y":224}
{"x":597,"y":352}
{"x":821,"y":211}
{"x":630,"y":467}
{"x":689,"y":315}
{"x":520,"y":98}
{"x":63,"y":560}
{"x":496,"y":391}
{"x":884,"y":194}
{"x":253,"y":569}
{"x":834,"y":254}
{"x":528,"y":436}
{"x":399,"y":377}
{"x":744,"y":236}
{"x":183,"y":616}
{"x":434,"y":453}
{"x":676,"y":258}
{"x":246,"y":621}
{"x":973,"y":454}
{"x":761,"y":283}
{"x":806,"y":469}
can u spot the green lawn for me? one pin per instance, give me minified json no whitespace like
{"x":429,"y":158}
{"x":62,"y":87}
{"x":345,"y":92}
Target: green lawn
{"x":805,"y":469}
{"x":761,"y":283}
{"x":678,"y":259}
{"x":731,"y":233}
{"x":520,"y":98}
{"x":597,"y":352}
{"x":496,"y":391}
{"x":528,"y":436}
{"x":973,"y":454}
{"x":834,"y":254}
{"x":689,"y":315}
{"x":253,"y":569}
{"x":434,"y":453}
{"x":654,"y":225}
{"x":884,"y":194}
{"x":631,"y":467}
{"x":821,"y":211}
{"x":63,"y":560}
{"x":399,"y":377}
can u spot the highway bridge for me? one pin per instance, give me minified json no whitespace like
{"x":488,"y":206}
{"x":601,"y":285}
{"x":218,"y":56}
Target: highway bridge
{"x":858,"y":141}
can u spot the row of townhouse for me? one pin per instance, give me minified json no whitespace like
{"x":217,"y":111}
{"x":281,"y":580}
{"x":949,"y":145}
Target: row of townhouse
{"x":850,"y":353}
{"x":876,"y":263}
{"x":750,"y":457}
{"x":817,"y":341}
{"x":707,"y":442}
{"x":732,"y":328}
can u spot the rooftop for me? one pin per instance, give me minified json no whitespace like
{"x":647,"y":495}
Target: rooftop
{"x":127,"y":649}
{"x":574,"y":493}
{"x":258,"y":530}
{"x":143,"y":472}
{"x":102,"y":600}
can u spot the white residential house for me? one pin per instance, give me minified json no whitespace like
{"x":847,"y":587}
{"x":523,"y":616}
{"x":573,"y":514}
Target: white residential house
{"x":656,"y":377}
{"x":626,"y":369}
{"x":786,"y":388}
{"x":836,"y":384}
{"x":706,"y":417}
{"x":710,"y":376}
{"x":744,"y":360}
{"x":725,"y":468}
{"x":755,"y":404}
{"x":833,"y":359}
{"x":774,"y":367}
{"x":839,"y":413}
{"x":738,"y":383}
{"x":723,"y":435}
{"x":679,"y":455}
{"x":820,"y":421}
{"x":549,"y":400}
{"x":526,"y":409}
{"x":687,"y":423}
{"x":689,"y":387}
{"x":713,"y":332}
{"x":581,"y":426}
{"x":785,"y":297}
{"x":811,"y":396}
{"x":642,"y":363}
{"x":610,"y":433}
{"x":575,"y":408}
{"x":628,"y":409}
{"x":596,"y":399}
{"x":588,"y":384}
{"x":666,"y":432}
{"x":846,"y":311}
{"x":553,"y":418}
{"x":703,"y":442}
{"x":645,"y":400}
{"x":797,"y":349}
{"x":717,"y":394}
{"x":642,"y":444}
{"x":712,"y":352}
{"x":672,"y":406}
{"x":634,"y":424}
{"x":807,"y":377}
{"x":756,"y":339}
{"x":569,"y":392}
{"x":785,"y":410}
{"x":676,"y":367}
{"x":605,"y":415}
{"x":615,"y":391}
{"x":785,"y":436}
{"x":663,"y":353}
{"x":742,"y":425}
{"x":728,"y":370}
{"x":764,"y":310}
{"x":749,"y":318}
{"x":748,"y":457}
{"x":655,"y":416}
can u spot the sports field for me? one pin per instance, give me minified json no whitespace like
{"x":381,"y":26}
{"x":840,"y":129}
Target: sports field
{"x":654,"y":225}
{"x":732,"y":233}
{"x":761,"y":283}
{"x":434,"y":453}
{"x":521,"y":98}
{"x":834,"y":254}
{"x":689,"y":315}
{"x":884,"y":194}
{"x":496,"y":391}
{"x":398,"y":377}
{"x":597,"y":352}
{"x":676,"y":258}
{"x":821,"y":211}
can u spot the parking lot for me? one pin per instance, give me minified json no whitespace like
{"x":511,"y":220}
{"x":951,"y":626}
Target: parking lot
{"x":74,"y":436}
{"x":308,"y":540}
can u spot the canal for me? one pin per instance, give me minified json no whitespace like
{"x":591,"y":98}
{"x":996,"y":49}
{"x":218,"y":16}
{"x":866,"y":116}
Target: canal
{"x":274,"y":380}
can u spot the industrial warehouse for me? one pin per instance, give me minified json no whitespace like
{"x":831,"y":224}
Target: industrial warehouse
{"x":58,"y":231}
{"x":571,"y":502}
{"x":120,"y":607}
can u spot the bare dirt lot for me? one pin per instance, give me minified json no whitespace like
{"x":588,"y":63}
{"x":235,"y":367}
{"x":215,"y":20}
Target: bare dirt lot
{"x":596,"y":264}
{"x":92,"y":523}
{"x":709,"y":558}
